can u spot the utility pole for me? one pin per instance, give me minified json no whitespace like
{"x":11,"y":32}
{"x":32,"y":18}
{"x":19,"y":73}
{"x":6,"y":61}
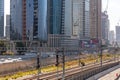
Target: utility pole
{"x":101,"y":52}
{"x":38,"y":65}
{"x":79,"y":58}
{"x":63,"y":57}
{"x":98,"y":34}
{"x":57,"y":61}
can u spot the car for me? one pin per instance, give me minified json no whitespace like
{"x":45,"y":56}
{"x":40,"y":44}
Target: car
{"x":2,"y":60}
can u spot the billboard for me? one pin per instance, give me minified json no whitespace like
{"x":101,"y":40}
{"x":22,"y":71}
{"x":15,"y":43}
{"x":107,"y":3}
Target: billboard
{"x":91,"y":43}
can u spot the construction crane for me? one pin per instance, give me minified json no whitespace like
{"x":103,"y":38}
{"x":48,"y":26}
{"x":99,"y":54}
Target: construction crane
{"x":107,"y":6}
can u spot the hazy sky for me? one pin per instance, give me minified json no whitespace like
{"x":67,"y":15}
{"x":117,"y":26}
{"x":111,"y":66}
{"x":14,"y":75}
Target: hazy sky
{"x":7,"y":9}
{"x":113,"y":11}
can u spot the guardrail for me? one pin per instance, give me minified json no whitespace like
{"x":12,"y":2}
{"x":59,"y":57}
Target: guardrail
{"x":52,"y":48}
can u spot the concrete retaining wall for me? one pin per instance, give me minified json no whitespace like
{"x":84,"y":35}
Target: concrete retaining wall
{"x":99,"y":75}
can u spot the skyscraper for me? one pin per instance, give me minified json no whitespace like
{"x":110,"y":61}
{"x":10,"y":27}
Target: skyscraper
{"x":95,"y":19}
{"x":8,"y":27}
{"x":105,"y":26}
{"x":57,"y":16}
{"x":1,"y":18}
{"x":86,"y":18}
{"x":68,"y":17}
{"x":16,"y":20}
{"x":111,"y":37}
{"x":29,"y":19}
{"x":118,"y":34}
{"x":40,"y":20}
{"x":77,"y":20}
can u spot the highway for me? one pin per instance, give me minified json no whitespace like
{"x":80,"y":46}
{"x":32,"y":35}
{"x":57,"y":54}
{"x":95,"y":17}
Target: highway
{"x":28,"y":61}
{"x":51,"y":59}
{"x":15,"y":58}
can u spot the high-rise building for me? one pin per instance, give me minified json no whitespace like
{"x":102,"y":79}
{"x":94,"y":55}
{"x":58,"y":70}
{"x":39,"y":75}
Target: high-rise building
{"x":24,"y":19}
{"x":68,"y":17}
{"x":86,"y":18}
{"x":29,"y":19}
{"x":8,"y":27}
{"x":77,"y":18}
{"x":57,"y":14}
{"x":105,"y":26}
{"x":40,"y":20}
{"x":16,"y":20}
{"x":95,"y":19}
{"x":1,"y":18}
{"x":118,"y":34}
{"x":111,"y":37}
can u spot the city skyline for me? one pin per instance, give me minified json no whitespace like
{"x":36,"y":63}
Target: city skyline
{"x":59,"y":40}
{"x":113,"y":11}
{"x":83,"y":21}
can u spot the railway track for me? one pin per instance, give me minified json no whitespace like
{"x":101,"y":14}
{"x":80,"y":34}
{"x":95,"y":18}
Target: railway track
{"x":68,"y":72}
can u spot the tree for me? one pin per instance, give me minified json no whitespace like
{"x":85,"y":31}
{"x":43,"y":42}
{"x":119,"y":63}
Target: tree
{"x":2,"y":45}
{"x":20,"y":45}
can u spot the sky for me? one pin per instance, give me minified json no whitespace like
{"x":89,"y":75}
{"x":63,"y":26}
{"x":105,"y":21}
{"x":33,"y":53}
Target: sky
{"x":113,"y":11}
{"x":7,"y":9}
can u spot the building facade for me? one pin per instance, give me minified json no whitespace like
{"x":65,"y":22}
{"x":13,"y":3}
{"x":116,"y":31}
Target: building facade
{"x":57,"y":40}
{"x":29,"y":19}
{"x":105,"y":26}
{"x":77,"y":18}
{"x":1,"y":18}
{"x":111,"y":37}
{"x":40,"y":20}
{"x":77,"y":21}
{"x":95,"y":19}
{"x":68,"y":17}
{"x":8,"y":27}
{"x":118,"y":34}
{"x":86,"y":19}
{"x":16,"y":20}
{"x":57,"y":15}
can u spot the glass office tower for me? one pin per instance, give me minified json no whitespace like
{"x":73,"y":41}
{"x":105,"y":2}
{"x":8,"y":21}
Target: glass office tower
{"x":16,"y":21}
{"x":57,"y":16}
{"x":29,"y":19}
{"x":1,"y":18}
{"x":40,"y":20}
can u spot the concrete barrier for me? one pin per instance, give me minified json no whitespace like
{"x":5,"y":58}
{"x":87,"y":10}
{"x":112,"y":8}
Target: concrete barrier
{"x":16,"y":66}
{"x":99,"y":75}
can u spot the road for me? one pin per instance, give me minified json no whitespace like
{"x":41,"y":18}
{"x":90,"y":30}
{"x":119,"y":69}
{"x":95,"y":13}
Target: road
{"x":50,"y":58}
{"x":15,"y":58}
{"x":28,"y":61}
